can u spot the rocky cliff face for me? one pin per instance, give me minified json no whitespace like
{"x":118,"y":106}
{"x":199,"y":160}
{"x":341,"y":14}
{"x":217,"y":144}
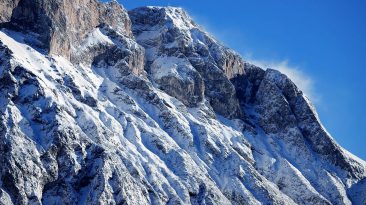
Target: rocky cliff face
{"x":204,"y":66}
{"x":101,"y":106}
{"x":6,"y":9}
{"x":61,"y":25}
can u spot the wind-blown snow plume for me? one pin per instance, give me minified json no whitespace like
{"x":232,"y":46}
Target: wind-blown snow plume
{"x":145,"y":107}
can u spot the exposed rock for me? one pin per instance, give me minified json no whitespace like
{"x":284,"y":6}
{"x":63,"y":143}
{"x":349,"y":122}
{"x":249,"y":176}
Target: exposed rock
{"x":115,"y":120}
{"x":61,"y":25}
{"x":6,"y":9}
{"x":283,"y":107}
{"x":178,"y":78}
{"x":104,"y":47}
{"x":246,"y":85}
{"x":171,"y":32}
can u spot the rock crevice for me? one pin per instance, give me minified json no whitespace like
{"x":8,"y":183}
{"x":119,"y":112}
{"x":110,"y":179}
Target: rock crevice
{"x":101,"y":106}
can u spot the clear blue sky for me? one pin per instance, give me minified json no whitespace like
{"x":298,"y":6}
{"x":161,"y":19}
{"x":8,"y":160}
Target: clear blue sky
{"x":325,"y":39}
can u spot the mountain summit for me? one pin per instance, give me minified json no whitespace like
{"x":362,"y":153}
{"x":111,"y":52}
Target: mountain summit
{"x":99,"y":105}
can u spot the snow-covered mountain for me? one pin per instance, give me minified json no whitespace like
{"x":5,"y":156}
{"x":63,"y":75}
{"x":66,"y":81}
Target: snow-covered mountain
{"x":103,"y":106}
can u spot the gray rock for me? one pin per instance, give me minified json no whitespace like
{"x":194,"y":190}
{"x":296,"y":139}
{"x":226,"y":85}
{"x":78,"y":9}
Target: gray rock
{"x":283,"y":107}
{"x":61,"y":25}
{"x":6,"y":9}
{"x":152,"y":118}
{"x":171,"y":32}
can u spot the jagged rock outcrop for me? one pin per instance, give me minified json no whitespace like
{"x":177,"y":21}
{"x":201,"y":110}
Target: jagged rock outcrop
{"x":153,"y":110}
{"x":61,"y":25}
{"x":285,"y":109}
{"x":6,"y":9}
{"x":105,"y":47}
{"x":173,"y":41}
{"x":286,"y":115}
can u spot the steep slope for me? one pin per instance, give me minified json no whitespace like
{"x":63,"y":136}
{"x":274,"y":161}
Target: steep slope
{"x":59,"y":26}
{"x":147,"y":108}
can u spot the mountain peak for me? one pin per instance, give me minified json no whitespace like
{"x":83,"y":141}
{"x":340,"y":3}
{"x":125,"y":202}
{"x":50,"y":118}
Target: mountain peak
{"x":101,"y":106}
{"x":171,"y":16}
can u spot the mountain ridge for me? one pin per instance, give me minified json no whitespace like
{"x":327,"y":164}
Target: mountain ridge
{"x":104,"y":106}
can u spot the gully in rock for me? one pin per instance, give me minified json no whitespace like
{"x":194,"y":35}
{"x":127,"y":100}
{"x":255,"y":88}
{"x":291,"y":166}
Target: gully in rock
{"x":100,"y":105}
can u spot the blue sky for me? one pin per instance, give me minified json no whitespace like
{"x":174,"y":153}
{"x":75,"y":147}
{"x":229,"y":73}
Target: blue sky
{"x":321,"y":44}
